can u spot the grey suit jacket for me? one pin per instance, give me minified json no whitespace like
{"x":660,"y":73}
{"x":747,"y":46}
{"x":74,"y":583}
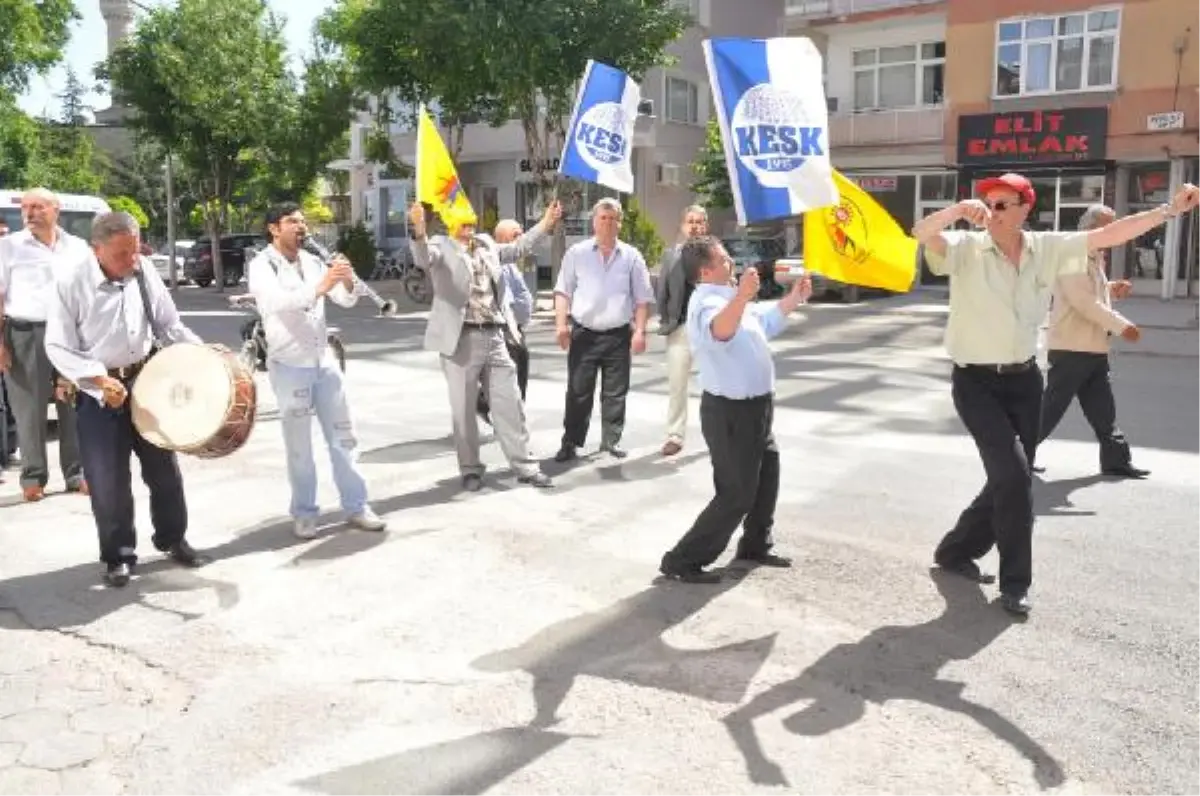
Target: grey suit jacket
{"x":672,"y":290}
{"x":450,"y":273}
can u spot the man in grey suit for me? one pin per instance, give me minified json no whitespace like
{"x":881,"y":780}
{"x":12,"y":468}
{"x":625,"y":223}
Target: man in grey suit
{"x":471,"y":322}
{"x":674,"y":291}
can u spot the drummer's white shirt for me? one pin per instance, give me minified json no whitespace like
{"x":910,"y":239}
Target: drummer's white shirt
{"x":95,"y":323}
{"x":293,"y":315}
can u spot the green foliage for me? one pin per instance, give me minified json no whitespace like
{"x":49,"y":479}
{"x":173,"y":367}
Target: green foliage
{"x":315,"y":211}
{"x":141,"y":176}
{"x":358,"y":244}
{"x":712,"y":176}
{"x":639,"y":232}
{"x":33,"y":36}
{"x":125,"y":204}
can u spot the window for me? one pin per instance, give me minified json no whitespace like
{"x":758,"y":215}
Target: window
{"x":683,"y":101}
{"x":899,"y":77}
{"x":692,"y":7}
{"x":1072,"y":52}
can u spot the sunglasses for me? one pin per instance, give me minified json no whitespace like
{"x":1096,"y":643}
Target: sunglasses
{"x":1002,"y":205}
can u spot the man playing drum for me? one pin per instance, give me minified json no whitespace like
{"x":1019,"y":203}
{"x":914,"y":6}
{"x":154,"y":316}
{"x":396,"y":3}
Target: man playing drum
{"x":290,"y":285}
{"x":105,"y":315}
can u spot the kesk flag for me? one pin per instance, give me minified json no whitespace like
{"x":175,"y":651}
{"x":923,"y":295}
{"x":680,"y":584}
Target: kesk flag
{"x":770,"y":104}
{"x":437,"y":180}
{"x":857,"y":242}
{"x":599,"y":146}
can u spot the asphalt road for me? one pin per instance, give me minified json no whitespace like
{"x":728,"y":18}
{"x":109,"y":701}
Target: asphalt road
{"x":515,"y":641}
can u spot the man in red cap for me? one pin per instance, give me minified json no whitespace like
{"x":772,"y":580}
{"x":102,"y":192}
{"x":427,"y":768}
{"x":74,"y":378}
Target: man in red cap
{"x":1000,"y":277}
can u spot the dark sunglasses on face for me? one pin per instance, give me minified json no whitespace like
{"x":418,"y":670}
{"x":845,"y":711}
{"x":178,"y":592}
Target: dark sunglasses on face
{"x":1002,"y":205}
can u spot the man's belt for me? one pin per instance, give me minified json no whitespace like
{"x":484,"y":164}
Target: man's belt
{"x":22,"y":325}
{"x":128,"y":372}
{"x":482,"y":325}
{"x":1008,"y":368}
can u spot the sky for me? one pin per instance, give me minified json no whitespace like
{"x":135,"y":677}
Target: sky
{"x":89,"y":38}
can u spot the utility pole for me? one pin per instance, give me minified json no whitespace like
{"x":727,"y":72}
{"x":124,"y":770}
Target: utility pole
{"x":171,"y":223}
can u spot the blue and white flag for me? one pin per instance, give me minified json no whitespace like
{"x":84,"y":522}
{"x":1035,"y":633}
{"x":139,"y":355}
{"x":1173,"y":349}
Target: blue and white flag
{"x":770,"y":103}
{"x":599,"y":146}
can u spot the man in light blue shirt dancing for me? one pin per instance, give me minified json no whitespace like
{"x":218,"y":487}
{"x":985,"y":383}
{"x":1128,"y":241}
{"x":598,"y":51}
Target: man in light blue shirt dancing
{"x":729,"y":337}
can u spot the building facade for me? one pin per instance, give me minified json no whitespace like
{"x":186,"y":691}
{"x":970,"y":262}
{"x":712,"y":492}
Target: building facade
{"x":493,"y":164}
{"x":1096,"y":102}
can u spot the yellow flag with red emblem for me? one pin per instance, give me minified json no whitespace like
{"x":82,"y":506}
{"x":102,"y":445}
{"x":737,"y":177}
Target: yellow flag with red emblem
{"x":437,"y":179}
{"x":857,"y":242}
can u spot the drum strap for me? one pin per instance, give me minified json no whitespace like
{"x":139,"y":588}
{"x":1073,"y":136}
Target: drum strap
{"x":148,"y":311}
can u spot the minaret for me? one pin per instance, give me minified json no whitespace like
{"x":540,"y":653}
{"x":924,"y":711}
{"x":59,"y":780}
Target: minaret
{"x":118,"y":17}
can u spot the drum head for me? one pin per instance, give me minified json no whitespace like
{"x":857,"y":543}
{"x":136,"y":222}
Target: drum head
{"x":181,"y":397}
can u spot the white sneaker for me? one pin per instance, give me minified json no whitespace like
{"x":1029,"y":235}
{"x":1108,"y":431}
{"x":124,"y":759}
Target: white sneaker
{"x":367,"y":520}
{"x":305,"y":527}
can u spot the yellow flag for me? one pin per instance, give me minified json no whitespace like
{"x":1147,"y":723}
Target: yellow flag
{"x":437,"y":180}
{"x":857,"y":242}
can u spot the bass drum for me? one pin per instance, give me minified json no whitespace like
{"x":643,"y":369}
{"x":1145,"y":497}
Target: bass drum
{"x":195,"y":400}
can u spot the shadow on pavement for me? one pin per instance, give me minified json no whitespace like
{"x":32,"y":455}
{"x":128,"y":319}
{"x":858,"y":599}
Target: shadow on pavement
{"x":624,"y":643}
{"x":1053,"y":498}
{"x":891,"y":663}
{"x":469,"y":765}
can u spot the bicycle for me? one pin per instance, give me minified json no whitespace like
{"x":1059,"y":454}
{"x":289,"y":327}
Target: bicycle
{"x":253,"y":353}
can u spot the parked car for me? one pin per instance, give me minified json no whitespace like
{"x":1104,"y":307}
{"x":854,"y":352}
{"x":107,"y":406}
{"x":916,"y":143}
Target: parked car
{"x":198,"y":267}
{"x":162,"y":260}
{"x":759,"y":253}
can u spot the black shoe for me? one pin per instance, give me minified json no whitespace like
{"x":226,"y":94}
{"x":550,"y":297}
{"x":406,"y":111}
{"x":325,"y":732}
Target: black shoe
{"x":1037,"y":469}
{"x":118,"y":575}
{"x":1126,"y":471}
{"x":472,"y":482}
{"x":565,"y":454}
{"x":183,"y":553}
{"x":539,"y":480}
{"x":689,"y":574}
{"x":1015,"y":604}
{"x":767,"y":560}
{"x":967,"y":569}
{"x":614,"y":450}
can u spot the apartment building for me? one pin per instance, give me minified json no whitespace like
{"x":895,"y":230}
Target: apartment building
{"x":495,"y":170}
{"x":1096,"y":102}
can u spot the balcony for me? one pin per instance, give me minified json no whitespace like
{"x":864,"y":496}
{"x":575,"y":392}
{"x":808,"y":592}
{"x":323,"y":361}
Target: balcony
{"x":834,"y":9}
{"x":887,"y":127}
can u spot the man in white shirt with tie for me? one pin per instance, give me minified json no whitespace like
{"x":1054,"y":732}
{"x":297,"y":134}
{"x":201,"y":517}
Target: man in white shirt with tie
{"x":104,"y":317}
{"x":30,"y":260}
{"x":290,"y":285}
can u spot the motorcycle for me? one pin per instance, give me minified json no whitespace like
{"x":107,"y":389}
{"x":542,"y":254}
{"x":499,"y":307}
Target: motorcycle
{"x":253,"y":353}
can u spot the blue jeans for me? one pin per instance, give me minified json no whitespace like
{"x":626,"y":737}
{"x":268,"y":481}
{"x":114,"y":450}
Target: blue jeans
{"x":300,"y":393}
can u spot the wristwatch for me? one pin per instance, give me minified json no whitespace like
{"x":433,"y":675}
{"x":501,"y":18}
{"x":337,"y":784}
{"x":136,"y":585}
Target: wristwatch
{"x":1167,"y":210}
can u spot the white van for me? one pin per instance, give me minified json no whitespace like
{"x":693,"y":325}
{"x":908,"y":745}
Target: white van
{"x":75,"y":213}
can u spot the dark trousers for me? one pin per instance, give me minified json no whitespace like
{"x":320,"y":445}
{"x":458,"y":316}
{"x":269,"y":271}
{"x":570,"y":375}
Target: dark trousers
{"x":608,"y":353}
{"x":1002,"y":414}
{"x":1084,"y":375}
{"x":8,"y":425}
{"x":745,"y":460}
{"x":107,"y":438}
{"x":30,"y":383}
{"x":520,"y":358}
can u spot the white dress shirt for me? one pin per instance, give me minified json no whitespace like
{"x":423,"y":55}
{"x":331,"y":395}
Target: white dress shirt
{"x":293,"y":315}
{"x":96,"y":323}
{"x":604,"y":295}
{"x":29,"y":267}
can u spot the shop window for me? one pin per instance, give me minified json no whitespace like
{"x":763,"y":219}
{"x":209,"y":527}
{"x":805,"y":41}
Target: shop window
{"x":939,"y":187}
{"x":1071,"y":52}
{"x":906,"y":76}
{"x":1086,"y":190}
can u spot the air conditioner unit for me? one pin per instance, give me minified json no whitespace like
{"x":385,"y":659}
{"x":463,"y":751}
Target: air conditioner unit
{"x":831,"y":104}
{"x":646,"y":108}
{"x":668,"y":174}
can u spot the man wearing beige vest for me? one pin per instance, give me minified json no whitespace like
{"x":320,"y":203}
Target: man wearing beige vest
{"x":1081,"y":322}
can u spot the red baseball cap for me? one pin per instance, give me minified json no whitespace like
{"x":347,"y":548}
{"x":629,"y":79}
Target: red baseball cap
{"x":1013,"y":182}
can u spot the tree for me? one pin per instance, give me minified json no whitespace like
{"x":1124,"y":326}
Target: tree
{"x":639,"y":231}
{"x":64,"y":156}
{"x":141,"y":176}
{"x":712,"y":175}
{"x":33,"y":36}
{"x":125,"y":204}
{"x":492,"y":61}
{"x":206,"y":80}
